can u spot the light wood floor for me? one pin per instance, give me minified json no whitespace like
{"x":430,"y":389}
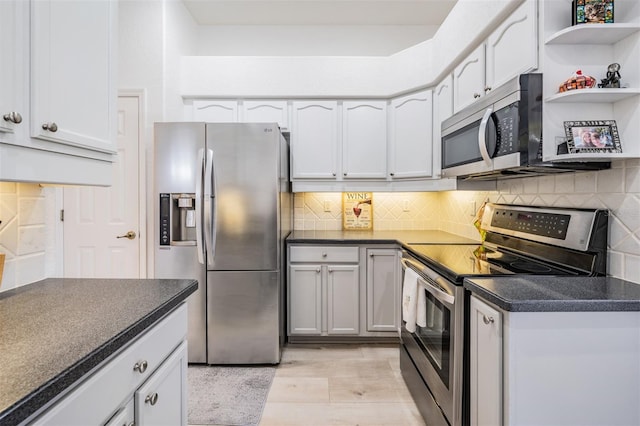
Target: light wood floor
{"x":340,"y":385}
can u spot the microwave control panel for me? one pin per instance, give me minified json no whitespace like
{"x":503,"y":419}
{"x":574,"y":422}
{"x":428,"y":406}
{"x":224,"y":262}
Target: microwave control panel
{"x":552,"y":225}
{"x":506,"y":120}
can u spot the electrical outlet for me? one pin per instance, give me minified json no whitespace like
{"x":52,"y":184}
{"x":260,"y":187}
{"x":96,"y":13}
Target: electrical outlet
{"x":472,"y":208}
{"x":327,"y":205}
{"x":405,"y":205}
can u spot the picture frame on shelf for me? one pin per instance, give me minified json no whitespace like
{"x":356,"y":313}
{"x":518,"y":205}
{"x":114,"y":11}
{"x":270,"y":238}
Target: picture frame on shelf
{"x":592,"y":136}
{"x":592,"y":12}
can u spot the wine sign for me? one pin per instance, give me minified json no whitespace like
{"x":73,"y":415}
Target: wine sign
{"x":357,"y":210}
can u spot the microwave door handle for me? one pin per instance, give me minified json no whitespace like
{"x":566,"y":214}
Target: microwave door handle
{"x":199,"y":176}
{"x":482,"y":136}
{"x":209,"y":216}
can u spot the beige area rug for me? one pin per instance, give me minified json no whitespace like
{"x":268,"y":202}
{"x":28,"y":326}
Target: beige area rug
{"x":230,"y":396}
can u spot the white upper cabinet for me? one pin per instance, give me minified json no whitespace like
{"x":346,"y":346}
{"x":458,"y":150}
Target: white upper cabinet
{"x":314,"y":139}
{"x":266,"y":112}
{"x":10,"y":116}
{"x":73,"y":92}
{"x":411,"y":145}
{"x":512,"y":48}
{"x":364,"y":139}
{"x":468,"y":79}
{"x":215,"y":111}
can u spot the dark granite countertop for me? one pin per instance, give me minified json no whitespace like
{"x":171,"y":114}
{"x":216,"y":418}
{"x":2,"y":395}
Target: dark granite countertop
{"x":378,"y":237}
{"x":557,"y":294}
{"x":52,"y":332}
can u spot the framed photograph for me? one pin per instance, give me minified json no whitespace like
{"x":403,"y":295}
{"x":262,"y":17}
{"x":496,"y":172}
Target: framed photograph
{"x":357,"y":210}
{"x":592,"y":11}
{"x":592,"y":136}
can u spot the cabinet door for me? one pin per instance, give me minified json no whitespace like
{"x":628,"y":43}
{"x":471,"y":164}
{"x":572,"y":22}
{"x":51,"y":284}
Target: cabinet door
{"x":266,"y":112}
{"x":73,"y":91}
{"x":468,"y":79}
{"x":486,"y":364}
{"x":512,"y":49}
{"x":314,"y":140}
{"x":364,"y":140}
{"x":442,"y":109}
{"x":305,"y":299}
{"x":411,"y":143}
{"x":162,"y":399}
{"x":343,"y":299}
{"x":8,"y":70}
{"x":383,"y":290}
{"x":125,"y":416}
{"x":213,"y":111}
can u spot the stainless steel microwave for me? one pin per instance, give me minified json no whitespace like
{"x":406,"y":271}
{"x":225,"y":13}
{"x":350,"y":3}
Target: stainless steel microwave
{"x":500,"y":135}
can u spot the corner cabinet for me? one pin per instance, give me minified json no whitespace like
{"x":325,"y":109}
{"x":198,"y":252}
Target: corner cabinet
{"x":564,"y":53}
{"x":147,"y":383}
{"x":411,"y":144}
{"x":61,"y":99}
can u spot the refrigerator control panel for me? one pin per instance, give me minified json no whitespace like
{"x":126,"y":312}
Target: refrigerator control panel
{"x":165,"y":208}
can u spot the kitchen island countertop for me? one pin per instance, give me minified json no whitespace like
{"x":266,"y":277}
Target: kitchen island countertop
{"x":378,"y":237}
{"x":54,"y":331}
{"x":557,"y":294}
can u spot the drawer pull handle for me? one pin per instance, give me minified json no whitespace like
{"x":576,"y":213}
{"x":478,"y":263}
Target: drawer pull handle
{"x":487,"y":320}
{"x":318,"y":270}
{"x":324,"y":254}
{"x":152,"y":399}
{"x":141,"y":366}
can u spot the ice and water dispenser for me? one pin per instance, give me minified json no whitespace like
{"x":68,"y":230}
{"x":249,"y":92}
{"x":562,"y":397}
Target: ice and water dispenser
{"x":177,"y":219}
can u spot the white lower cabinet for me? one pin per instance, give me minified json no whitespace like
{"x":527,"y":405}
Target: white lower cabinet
{"x":486,"y":364}
{"x":323,"y":291}
{"x":145,"y":383}
{"x":553,"y":368}
{"x":383,"y":290}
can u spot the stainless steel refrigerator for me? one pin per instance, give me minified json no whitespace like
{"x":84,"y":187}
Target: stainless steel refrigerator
{"x":223,"y":211}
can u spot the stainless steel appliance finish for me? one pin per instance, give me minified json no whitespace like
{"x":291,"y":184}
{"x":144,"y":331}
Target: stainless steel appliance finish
{"x":500,"y":136}
{"x":519,"y":240}
{"x":224,"y":210}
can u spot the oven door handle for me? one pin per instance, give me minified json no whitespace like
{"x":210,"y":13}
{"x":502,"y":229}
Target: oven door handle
{"x":436,"y":292}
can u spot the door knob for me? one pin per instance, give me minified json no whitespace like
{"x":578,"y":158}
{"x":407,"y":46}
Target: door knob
{"x":130,"y":235}
{"x":13,"y":117}
{"x":52,"y":127}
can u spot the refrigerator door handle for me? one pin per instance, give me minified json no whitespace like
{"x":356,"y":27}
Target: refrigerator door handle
{"x":199,"y":245}
{"x":209,"y":217}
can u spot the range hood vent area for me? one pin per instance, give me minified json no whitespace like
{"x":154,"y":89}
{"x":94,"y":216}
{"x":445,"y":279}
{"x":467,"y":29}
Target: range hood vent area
{"x":540,"y":169}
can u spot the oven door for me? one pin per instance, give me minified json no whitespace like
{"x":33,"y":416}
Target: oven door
{"x":436,"y":346}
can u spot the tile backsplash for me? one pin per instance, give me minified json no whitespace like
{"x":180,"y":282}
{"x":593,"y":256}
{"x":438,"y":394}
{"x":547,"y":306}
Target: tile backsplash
{"x":26,"y":233}
{"x":616,"y":189}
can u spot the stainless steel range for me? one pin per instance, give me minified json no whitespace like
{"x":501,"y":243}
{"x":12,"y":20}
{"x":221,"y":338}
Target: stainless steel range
{"x":519,"y":240}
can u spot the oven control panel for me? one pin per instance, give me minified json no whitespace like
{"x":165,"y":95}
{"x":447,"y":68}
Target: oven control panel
{"x":552,"y":225}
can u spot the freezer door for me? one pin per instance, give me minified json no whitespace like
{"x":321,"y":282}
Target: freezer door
{"x":244,"y":195}
{"x":181,"y":262}
{"x":243,"y":317}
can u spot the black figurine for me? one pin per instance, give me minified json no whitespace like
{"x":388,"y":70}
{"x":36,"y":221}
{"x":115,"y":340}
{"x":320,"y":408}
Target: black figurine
{"x":613,"y":77}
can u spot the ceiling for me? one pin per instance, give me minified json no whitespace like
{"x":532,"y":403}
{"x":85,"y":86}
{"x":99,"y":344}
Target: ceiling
{"x":319,"y":12}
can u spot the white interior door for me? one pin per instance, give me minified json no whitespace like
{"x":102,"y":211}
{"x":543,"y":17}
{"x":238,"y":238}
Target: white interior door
{"x":98,"y":220}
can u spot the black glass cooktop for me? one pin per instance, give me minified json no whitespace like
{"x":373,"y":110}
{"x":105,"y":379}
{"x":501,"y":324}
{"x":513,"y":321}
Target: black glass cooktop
{"x":457,"y":261}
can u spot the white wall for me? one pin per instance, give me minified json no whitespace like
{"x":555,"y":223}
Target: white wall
{"x":315,"y":40}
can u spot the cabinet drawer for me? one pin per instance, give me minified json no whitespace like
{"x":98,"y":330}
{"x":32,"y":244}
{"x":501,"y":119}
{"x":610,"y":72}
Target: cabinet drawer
{"x":323,"y":254}
{"x":89,"y":403}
